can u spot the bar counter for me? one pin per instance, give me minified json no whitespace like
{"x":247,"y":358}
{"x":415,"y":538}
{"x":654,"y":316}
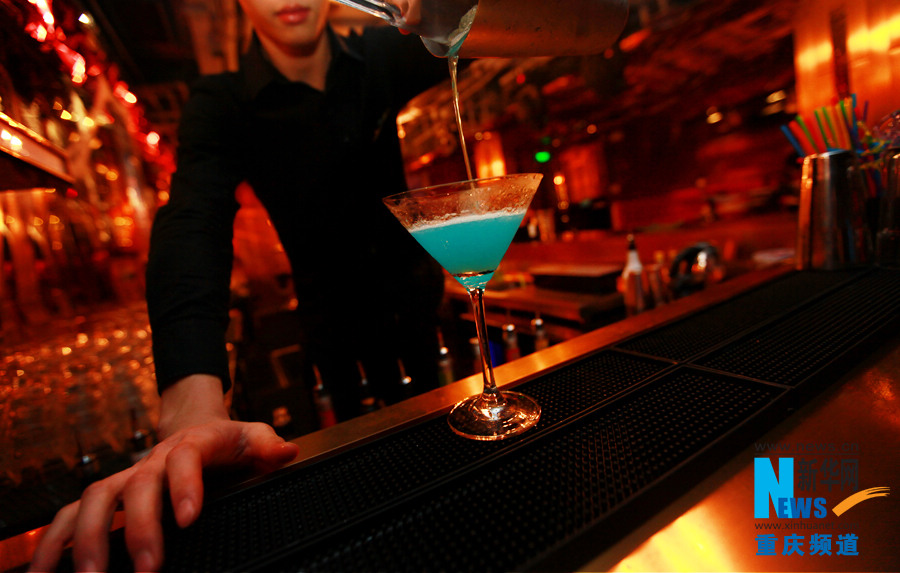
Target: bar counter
{"x":640,"y":461}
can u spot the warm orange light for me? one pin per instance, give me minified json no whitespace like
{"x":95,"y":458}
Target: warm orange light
{"x":37,"y":31}
{"x":776,"y":96}
{"x":14,"y":142}
{"x":121,"y":91}
{"x":489,"y":158}
{"x":423,"y":160}
{"x":78,"y":73}
{"x":559,"y":180}
{"x":43,"y":7}
{"x":815,"y":55}
{"x":685,"y":545}
{"x":153,"y":139}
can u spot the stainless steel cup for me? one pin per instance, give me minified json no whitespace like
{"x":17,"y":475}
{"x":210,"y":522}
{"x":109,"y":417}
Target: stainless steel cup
{"x":505,"y":28}
{"x":887,"y":234}
{"x":832,"y":232}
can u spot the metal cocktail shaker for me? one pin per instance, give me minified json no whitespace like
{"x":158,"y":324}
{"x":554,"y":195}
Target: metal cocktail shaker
{"x":832,"y":229}
{"x":505,"y":28}
{"x":887,"y":234}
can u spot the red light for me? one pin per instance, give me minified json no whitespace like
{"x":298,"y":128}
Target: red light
{"x":71,"y":193}
{"x":520,"y":79}
{"x":631,"y":42}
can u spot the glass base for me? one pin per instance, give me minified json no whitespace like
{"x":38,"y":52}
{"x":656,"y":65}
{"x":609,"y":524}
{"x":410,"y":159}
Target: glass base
{"x":479,"y":419}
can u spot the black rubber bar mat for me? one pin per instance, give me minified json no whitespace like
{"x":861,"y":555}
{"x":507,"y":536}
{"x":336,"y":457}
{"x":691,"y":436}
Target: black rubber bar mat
{"x":624,"y":430}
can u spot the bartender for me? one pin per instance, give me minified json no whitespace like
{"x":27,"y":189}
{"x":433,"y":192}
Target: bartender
{"x":309,"y":121}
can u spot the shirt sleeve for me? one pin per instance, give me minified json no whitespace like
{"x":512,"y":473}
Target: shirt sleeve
{"x":190,"y":257}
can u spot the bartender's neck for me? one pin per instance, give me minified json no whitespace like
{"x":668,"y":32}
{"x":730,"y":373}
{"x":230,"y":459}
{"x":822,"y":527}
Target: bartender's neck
{"x":306,"y":63}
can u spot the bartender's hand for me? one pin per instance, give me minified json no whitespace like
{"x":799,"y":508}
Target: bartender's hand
{"x":410,"y":11}
{"x":196,"y":433}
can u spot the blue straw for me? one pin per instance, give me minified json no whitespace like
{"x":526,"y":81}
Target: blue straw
{"x":790,"y":136}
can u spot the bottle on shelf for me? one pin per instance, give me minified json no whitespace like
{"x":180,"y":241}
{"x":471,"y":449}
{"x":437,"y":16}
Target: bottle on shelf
{"x":510,"y":343}
{"x":658,"y":280}
{"x":367,"y":401}
{"x":283,"y":423}
{"x":322,"y":401}
{"x":407,"y":390}
{"x":445,"y":361}
{"x":541,"y":340}
{"x":632,"y":281}
{"x":87,"y":466}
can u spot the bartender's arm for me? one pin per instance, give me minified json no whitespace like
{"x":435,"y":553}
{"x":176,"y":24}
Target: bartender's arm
{"x":188,"y":297}
{"x":196,"y":433}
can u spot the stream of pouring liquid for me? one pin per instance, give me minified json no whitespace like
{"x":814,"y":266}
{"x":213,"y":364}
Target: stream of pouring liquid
{"x":453,"y":61}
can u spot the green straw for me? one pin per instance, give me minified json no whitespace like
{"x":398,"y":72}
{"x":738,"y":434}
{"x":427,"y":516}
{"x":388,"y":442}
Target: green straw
{"x":806,"y":132}
{"x":829,"y":144}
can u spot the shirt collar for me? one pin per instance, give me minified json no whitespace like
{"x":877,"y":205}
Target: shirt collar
{"x":259,"y":71}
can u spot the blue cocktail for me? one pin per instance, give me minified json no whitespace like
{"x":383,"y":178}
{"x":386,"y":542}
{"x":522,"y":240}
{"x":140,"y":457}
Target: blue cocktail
{"x":470,"y":247}
{"x":467,"y":227}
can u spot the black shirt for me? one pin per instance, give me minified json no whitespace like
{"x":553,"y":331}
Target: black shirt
{"x":319,"y":162}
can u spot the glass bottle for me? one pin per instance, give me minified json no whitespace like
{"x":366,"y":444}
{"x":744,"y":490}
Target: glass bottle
{"x":367,"y":401}
{"x":510,"y":343}
{"x":632,"y":281}
{"x":445,"y":362}
{"x":407,"y":390}
{"x":541,"y":340}
{"x":322,"y":401}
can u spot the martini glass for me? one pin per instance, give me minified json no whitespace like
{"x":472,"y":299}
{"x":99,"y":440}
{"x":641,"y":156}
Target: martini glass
{"x":467,"y":227}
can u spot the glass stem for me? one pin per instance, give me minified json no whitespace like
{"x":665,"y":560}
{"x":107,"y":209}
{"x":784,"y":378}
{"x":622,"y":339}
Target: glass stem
{"x":490,"y":387}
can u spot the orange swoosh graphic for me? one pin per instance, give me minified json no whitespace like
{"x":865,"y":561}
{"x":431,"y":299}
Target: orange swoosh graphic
{"x":860,"y":496}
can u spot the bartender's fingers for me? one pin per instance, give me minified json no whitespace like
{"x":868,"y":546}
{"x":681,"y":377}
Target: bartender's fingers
{"x":265,"y":449}
{"x":57,"y":535}
{"x":184,"y":466}
{"x":98,"y":505}
{"x":410,"y":11}
{"x":142,"y":499}
{"x":223,"y":444}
